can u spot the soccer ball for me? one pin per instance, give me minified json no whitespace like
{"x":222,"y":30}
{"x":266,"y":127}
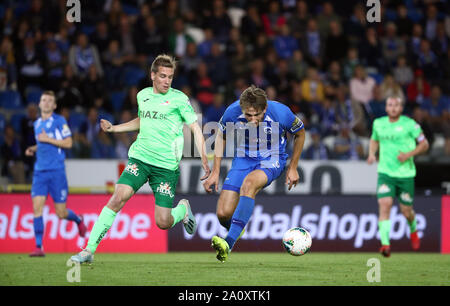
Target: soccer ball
{"x":297,"y":241}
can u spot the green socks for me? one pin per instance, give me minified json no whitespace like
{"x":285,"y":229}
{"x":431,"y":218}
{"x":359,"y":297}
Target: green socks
{"x":412,"y":226}
{"x":384,"y":228}
{"x":101,"y":227}
{"x":178,"y":213}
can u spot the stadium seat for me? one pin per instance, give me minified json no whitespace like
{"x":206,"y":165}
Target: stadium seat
{"x":33,"y":96}
{"x":76,"y":120}
{"x":16,"y":121}
{"x":117,"y":99}
{"x":133,"y":75}
{"x":10,"y":100}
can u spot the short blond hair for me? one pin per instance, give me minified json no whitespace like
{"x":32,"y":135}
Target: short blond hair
{"x":163,"y":60}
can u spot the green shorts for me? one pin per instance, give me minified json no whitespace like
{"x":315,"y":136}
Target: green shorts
{"x":162,"y":181}
{"x":401,"y":188}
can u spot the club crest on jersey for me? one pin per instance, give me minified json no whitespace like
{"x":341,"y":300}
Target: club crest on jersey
{"x":268,"y":130}
{"x":383,"y":188}
{"x":164,"y":188}
{"x":133,"y":169}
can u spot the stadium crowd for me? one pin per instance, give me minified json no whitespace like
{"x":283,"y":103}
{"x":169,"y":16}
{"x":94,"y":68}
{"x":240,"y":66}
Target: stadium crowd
{"x":321,"y":58}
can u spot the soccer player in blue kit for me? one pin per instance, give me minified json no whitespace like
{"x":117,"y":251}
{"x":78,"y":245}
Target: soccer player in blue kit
{"x":260,"y":158}
{"x":49,"y":177}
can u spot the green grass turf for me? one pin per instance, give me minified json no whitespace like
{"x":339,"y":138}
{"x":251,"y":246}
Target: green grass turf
{"x":242,"y":269}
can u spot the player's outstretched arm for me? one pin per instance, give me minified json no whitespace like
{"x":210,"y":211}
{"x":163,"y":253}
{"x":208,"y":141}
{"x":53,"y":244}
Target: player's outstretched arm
{"x":200,"y":145}
{"x":130,"y":126}
{"x":213,"y":179}
{"x":373,"y":148}
{"x":292,"y":176}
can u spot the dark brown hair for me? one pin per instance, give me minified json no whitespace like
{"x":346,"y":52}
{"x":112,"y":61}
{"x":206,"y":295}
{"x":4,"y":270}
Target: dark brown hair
{"x":253,"y":97}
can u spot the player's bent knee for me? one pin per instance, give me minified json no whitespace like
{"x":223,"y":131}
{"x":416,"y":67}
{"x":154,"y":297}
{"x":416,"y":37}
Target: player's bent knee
{"x":163,"y":223}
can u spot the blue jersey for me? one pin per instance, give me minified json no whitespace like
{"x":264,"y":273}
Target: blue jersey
{"x":268,"y":140}
{"x":48,"y":156}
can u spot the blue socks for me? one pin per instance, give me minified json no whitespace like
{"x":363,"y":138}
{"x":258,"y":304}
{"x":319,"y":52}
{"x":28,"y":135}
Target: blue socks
{"x":240,"y":219}
{"x":38,"y":223}
{"x":73,"y":217}
{"x":38,"y":230}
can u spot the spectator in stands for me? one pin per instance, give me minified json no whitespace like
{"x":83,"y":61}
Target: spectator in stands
{"x":437,"y":108}
{"x":179,"y":39}
{"x":419,"y":115}
{"x":317,"y":150}
{"x":204,"y":48}
{"x":130,"y":103}
{"x":240,"y":65}
{"x":336,"y":44}
{"x":102,"y":36}
{"x":8,"y":69}
{"x":361,"y":86}
{"x":403,"y":23}
{"x":168,"y":17}
{"x":93,"y":90}
{"x":251,"y":24}
{"x":356,"y":25}
{"x":419,"y":89}
{"x":313,"y":87}
{"x":91,"y":127}
{"x":427,"y":61}
{"x":389,"y":87}
{"x":149,"y":39}
{"x":297,"y":65}
{"x":441,"y":43}
{"x":215,"y":111}
{"x":30,"y":63}
{"x":392,"y":45}
{"x":350,"y":63}
{"x":273,"y":19}
{"x":328,"y":123}
{"x":69,"y":94}
{"x":27,"y":135}
{"x":413,"y":43}
{"x":124,"y":140}
{"x":284,"y":43}
{"x":326,"y":17}
{"x":219,"y":22}
{"x":299,"y":19}
{"x":344,"y":108}
{"x":257,"y":76}
{"x":102,"y":146}
{"x":126,"y":39}
{"x":298,"y":105}
{"x":12,"y":155}
{"x":370,"y":50}
{"x":217,"y":63}
{"x":403,"y":73}
{"x":347,"y":145}
{"x":203,"y":86}
{"x":313,"y":44}
{"x":431,"y":22}
{"x":283,"y":80}
{"x":333,"y":80}
{"x":83,"y":55}
{"x":55,"y":62}
{"x":114,"y":61}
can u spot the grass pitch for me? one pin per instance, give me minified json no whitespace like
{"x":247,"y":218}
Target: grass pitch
{"x":242,"y":269}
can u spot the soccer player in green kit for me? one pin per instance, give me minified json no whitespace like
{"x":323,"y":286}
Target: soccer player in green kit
{"x":154,"y":156}
{"x":398,"y":139}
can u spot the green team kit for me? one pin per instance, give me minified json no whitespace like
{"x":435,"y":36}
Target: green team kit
{"x":157,"y":151}
{"x":396,"y":179}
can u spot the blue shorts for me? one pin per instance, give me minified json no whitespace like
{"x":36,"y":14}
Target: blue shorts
{"x":53,"y":182}
{"x":242,"y":167}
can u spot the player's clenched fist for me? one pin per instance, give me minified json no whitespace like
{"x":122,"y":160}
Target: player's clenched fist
{"x":106,"y":125}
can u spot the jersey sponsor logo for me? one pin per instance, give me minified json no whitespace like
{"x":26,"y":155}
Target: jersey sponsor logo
{"x":399,"y":129}
{"x":296,"y":125}
{"x":384,"y":188}
{"x":132,"y":169}
{"x":406,"y":197}
{"x":165,"y":189}
{"x":165,"y":103}
{"x":152,"y":115}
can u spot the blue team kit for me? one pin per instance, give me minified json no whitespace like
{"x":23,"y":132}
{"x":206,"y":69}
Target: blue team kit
{"x":262,"y":147}
{"x":49,"y":170}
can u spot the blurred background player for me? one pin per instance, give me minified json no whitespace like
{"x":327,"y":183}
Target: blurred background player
{"x":395,"y":136}
{"x":49,"y":177}
{"x":154,"y":156}
{"x":259,"y":159}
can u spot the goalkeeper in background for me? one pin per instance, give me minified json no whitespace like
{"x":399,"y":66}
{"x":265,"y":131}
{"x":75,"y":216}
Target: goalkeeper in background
{"x":398,"y":139}
{"x":154,"y":157}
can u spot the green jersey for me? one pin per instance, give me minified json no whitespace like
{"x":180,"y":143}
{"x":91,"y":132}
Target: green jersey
{"x":160,"y":140}
{"x":393,"y":138}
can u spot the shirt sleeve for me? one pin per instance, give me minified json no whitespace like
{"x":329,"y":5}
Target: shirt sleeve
{"x":290,"y":121}
{"x":374,"y":131}
{"x":226,"y":117}
{"x":187,"y":111}
{"x":415,"y":130}
{"x":64,"y":128}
